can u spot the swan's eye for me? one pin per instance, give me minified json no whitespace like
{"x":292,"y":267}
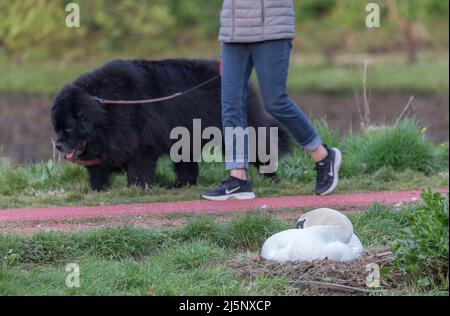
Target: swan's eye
{"x":301,"y":224}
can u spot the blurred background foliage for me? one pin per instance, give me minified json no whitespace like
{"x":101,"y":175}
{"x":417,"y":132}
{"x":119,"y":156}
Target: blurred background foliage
{"x":35,"y":30}
{"x":407,"y":55}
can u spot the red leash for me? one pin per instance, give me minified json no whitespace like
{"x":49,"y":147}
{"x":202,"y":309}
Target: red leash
{"x":166,"y":98}
{"x":94,"y":162}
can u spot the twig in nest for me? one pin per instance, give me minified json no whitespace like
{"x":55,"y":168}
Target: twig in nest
{"x":385,"y":256}
{"x":314,"y":269}
{"x":333,"y":286}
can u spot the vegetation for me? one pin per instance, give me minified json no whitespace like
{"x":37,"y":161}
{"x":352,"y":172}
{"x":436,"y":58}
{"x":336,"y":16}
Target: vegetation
{"x":192,"y":259}
{"x":328,"y":26}
{"x":422,"y":246}
{"x":426,"y":77}
{"x":333,"y":38}
{"x":389,"y":76}
{"x":411,"y":50}
{"x":399,"y":147}
{"x":413,"y":163}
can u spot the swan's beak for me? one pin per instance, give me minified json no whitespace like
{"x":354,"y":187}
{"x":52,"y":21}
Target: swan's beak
{"x":301,"y":224}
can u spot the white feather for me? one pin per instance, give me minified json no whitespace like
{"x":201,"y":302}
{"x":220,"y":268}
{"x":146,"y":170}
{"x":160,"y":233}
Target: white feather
{"x":312,"y":243}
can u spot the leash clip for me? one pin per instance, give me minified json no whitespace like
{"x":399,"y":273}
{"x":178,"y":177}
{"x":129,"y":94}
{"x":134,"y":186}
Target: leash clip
{"x":100,"y":100}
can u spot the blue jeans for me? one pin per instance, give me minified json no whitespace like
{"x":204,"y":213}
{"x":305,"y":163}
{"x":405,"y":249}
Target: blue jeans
{"x":271,"y":61}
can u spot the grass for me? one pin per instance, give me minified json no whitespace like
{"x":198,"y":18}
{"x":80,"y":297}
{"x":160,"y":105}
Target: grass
{"x":426,"y":77}
{"x":132,"y":261}
{"x":429,"y":76}
{"x":193,"y":259}
{"x":379,"y":226}
{"x":188,"y":260}
{"x":381,"y":159}
{"x":423,"y":248}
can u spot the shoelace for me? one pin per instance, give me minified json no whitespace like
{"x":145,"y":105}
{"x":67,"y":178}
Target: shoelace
{"x":224,"y":183}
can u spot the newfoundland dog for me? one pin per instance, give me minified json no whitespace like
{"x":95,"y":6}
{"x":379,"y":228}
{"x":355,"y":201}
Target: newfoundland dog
{"x":108,"y":138}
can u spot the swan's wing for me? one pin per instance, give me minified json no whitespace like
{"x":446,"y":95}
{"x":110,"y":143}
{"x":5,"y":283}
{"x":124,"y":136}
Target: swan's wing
{"x":313,"y":243}
{"x":331,"y":248}
{"x":278,"y":247}
{"x":292,"y":245}
{"x":283,"y":254}
{"x":323,"y":233}
{"x":356,"y":246}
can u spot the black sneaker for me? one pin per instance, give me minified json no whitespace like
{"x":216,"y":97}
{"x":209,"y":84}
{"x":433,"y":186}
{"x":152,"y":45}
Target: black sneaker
{"x":232,"y":188}
{"x":328,"y":172}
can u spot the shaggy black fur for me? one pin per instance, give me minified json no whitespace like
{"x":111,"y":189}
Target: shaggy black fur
{"x":134,"y":137}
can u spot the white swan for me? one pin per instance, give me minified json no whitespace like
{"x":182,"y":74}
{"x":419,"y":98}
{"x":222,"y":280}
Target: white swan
{"x":321,"y":234}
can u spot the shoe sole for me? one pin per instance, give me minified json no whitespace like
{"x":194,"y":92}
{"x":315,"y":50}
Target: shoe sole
{"x":235,"y":196}
{"x":337,"y":168}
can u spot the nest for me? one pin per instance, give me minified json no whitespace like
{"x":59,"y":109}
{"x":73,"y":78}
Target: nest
{"x":319,"y":277}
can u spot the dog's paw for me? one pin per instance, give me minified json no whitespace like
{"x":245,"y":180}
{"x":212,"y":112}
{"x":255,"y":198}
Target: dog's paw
{"x":180,"y":184}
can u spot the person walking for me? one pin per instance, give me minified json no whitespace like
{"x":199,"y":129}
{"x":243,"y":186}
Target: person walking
{"x":258,"y":34}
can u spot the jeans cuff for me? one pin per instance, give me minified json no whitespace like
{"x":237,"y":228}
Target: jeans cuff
{"x":313,"y":144}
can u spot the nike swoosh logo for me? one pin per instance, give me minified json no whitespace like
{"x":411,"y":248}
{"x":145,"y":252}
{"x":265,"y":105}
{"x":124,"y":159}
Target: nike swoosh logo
{"x":331,"y":173}
{"x":228,"y":192}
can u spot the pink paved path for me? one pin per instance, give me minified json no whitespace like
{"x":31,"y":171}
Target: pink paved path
{"x":55,"y":214}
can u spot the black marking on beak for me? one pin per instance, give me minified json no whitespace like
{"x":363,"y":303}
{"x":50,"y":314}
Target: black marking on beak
{"x":301,"y":224}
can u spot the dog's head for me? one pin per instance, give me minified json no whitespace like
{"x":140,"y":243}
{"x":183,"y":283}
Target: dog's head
{"x":78,"y":120}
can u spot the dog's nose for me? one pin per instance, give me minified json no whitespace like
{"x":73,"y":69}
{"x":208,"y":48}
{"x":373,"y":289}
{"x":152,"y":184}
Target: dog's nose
{"x":59,"y":146}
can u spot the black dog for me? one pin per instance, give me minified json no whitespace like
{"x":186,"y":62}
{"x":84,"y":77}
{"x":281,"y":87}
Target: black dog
{"x":111,"y":138}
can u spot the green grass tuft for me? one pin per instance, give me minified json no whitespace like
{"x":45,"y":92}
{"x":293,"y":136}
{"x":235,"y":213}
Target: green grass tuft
{"x":201,"y":228}
{"x":54,"y":248}
{"x":384,"y":158}
{"x":422,"y":248}
{"x":400,"y":147}
{"x":188,"y":256}
{"x":119,"y":243}
{"x":379,"y":225}
{"x":246,"y":231}
{"x":250,"y":230}
{"x":12,"y":180}
{"x":187,"y":260}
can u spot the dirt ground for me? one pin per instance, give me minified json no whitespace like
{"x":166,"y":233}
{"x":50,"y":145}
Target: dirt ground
{"x":142,"y":221}
{"x":26,"y":133}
